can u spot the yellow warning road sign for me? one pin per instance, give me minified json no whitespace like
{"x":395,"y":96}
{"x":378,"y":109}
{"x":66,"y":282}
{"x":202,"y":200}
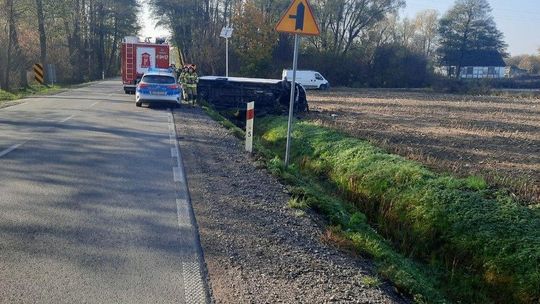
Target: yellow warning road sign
{"x":298,"y":19}
{"x":39,"y":73}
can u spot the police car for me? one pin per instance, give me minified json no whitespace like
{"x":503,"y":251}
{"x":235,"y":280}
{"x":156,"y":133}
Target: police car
{"x":158,"y":86}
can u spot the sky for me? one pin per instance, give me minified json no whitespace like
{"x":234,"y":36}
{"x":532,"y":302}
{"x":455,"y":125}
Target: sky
{"x":519,"y":20}
{"x":148,"y":26}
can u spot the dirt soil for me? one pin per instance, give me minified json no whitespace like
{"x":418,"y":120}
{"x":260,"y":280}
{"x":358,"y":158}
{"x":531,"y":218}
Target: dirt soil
{"x":494,"y":137}
{"x":256,"y":249}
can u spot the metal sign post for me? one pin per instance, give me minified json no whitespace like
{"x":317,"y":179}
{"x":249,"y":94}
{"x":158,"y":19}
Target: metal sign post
{"x":226,"y":33}
{"x":291,"y":104}
{"x":51,"y":73}
{"x":298,"y":19}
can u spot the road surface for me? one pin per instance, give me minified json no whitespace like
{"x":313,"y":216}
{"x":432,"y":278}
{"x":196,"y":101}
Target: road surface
{"x":94,"y":206}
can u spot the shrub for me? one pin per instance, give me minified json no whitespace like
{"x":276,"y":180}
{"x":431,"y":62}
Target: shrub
{"x":6,"y":96}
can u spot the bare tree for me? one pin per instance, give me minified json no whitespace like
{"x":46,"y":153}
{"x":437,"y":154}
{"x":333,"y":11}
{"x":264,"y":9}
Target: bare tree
{"x":42,"y":33}
{"x":13,"y":49}
{"x":427,"y":26}
{"x":342,"y":22}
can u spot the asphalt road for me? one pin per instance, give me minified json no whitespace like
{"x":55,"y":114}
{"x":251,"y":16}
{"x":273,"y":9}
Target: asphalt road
{"x":94,"y":206}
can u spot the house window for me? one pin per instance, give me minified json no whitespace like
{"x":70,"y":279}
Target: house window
{"x":491,"y":71}
{"x":470,"y":70}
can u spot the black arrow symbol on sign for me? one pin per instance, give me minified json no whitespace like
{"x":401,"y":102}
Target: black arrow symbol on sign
{"x":299,"y":17}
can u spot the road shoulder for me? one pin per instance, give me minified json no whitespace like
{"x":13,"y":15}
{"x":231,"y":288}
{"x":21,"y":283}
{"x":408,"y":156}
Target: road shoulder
{"x":257,"y":249}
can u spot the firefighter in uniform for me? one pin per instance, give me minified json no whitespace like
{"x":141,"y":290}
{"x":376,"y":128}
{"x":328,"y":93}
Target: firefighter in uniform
{"x":183,"y":81}
{"x":192,"y":79}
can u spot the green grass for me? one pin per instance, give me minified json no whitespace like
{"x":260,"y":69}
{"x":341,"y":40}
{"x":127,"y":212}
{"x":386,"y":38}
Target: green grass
{"x":296,"y":203}
{"x":371,"y":281}
{"x":471,"y":244}
{"x":31,"y":90}
{"x":4,"y":96}
{"x":345,"y":221}
{"x":348,"y":223}
{"x":434,"y":236}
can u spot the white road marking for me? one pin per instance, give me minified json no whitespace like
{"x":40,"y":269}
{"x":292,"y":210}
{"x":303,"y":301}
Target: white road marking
{"x":92,"y":105}
{"x":11,"y":149}
{"x":193,"y":285}
{"x":194,"y":288}
{"x":66,"y":119}
{"x":182,"y":213}
{"x":178,"y":175}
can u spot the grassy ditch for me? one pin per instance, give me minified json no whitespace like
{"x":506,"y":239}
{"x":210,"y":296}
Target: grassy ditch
{"x":348,"y":227}
{"x":475,"y":244}
{"x":31,"y":90}
{"x":457,"y":239}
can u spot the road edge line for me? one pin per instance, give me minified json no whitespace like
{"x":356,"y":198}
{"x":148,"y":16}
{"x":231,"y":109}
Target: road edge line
{"x":203,"y":271}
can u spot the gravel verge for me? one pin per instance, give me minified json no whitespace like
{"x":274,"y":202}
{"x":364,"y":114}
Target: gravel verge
{"x":256,"y":249}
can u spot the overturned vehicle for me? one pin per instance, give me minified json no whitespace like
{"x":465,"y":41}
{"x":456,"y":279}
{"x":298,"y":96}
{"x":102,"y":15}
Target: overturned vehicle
{"x":230,"y":95}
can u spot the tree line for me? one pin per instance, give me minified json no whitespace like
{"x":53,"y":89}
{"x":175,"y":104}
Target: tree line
{"x":80,"y":37}
{"x":528,"y":63}
{"x":362,"y":42}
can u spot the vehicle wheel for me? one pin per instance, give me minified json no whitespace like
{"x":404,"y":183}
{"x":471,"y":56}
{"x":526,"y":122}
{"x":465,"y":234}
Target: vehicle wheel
{"x":138,"y":104}
{"x":323,"y":87}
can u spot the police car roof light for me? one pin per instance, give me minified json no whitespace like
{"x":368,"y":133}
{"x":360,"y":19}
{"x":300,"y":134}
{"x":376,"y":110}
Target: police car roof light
{"x":158,"y":70}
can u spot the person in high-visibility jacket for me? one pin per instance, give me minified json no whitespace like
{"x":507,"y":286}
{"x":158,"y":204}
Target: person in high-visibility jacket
{"x":192,"y":79}
{"x":183,"y":81}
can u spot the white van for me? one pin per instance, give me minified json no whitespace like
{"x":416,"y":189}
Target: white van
{"x":308,"y":79}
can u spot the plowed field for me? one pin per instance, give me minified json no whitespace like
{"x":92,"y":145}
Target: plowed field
{"x":497,"y":138}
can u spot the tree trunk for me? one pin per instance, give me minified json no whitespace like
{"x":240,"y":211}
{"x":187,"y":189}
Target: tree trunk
{"x":42,"y":34}
{"x":23,"y":80}
{"x":76,"y":42}
{"x":101,"y":40}
{"x":2,"y":74}
{"x":11,"y":24}
{"x":114,"y":47}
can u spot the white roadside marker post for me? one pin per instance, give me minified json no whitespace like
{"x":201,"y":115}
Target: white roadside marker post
{"x":250,"y":116}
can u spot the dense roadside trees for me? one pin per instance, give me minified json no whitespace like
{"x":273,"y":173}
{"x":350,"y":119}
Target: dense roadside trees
{"x":362,"y":42}
{"x":343,"y":23}
{"x":80,"y":37}
{"x":354,"y":33}
{"x":255,"y":39}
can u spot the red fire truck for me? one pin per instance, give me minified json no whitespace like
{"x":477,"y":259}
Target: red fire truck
{"x":138,"y":57}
